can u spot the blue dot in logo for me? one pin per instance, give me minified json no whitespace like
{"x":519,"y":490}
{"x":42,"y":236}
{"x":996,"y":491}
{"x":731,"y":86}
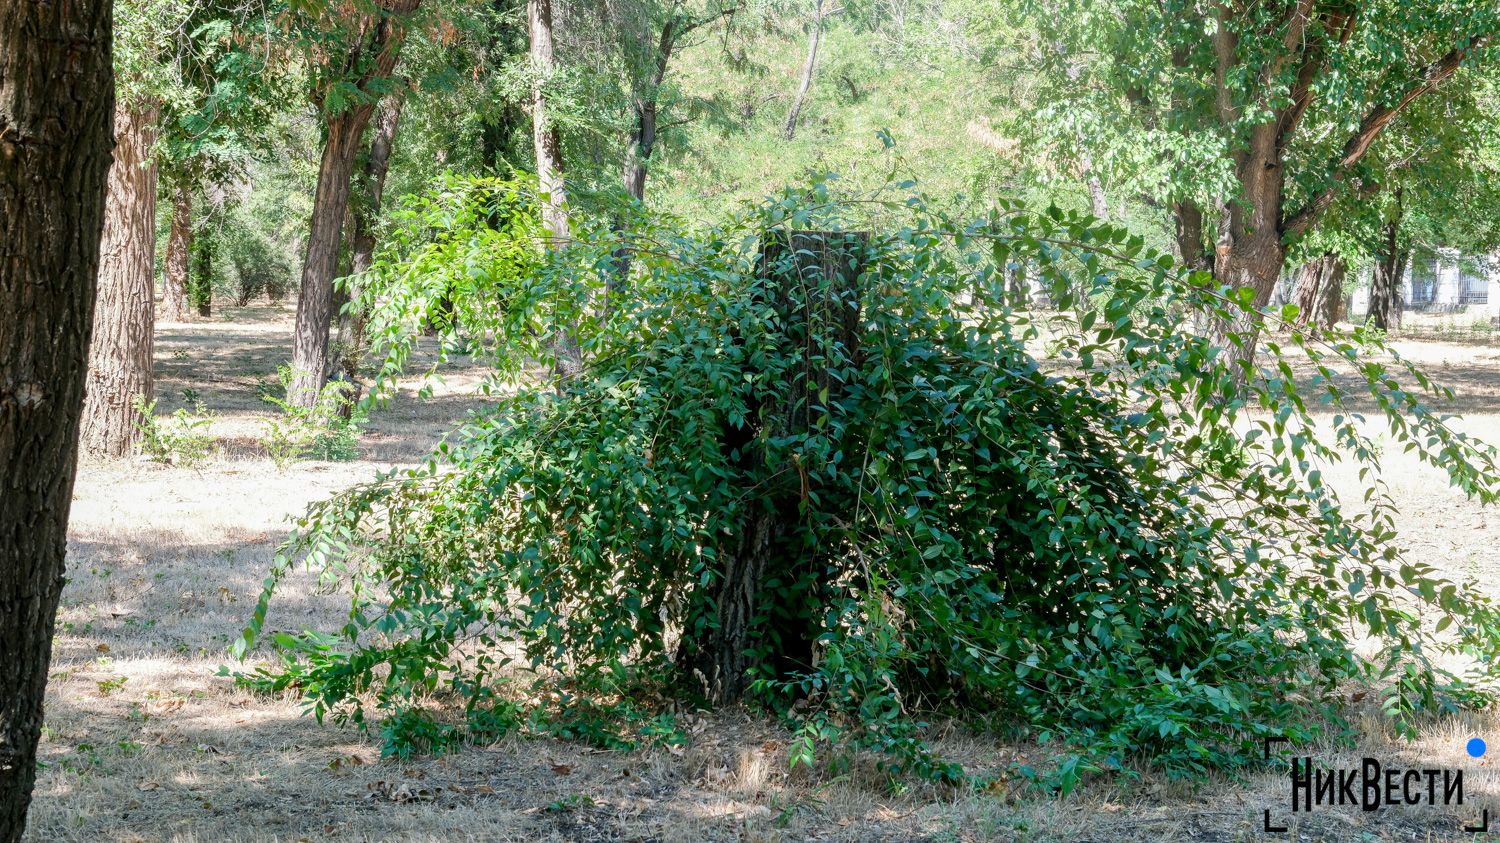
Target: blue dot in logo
{"x":1476,"y":747}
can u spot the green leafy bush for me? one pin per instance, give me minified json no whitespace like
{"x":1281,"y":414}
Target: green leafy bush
{"x":1126,"y":545}
{"x":179,"y":439}
{"x":329,"y":430}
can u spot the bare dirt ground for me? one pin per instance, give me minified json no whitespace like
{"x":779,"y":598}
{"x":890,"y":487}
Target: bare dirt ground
{"x":144,"y":743}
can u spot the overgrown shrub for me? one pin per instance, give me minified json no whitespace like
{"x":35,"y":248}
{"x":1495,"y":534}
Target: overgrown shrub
{"x":329,"y":430}
{"x":1123,"y":545}
{"x":179,"y":439}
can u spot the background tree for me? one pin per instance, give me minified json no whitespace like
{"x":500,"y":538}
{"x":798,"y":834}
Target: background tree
{"x":359,"y":47}
{"x":56,"y":106}
{"x":1254,"y":117}
{"x":120,"y":357}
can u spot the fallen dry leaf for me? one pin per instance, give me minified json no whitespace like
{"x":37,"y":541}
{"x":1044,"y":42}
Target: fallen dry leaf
{"x":147,"y":786}
{"x":563,"y":769}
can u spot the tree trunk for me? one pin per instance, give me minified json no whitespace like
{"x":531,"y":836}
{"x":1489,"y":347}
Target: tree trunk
{"x":120,"y":356}
{"x":174,"y":301}
{"x":1384,"y":311}
{"x":201,"y":277}
{"x":315,"y":298}
{"x":366,"y":213}
{"x":813,"y":37}
{"x":1253,"y":260}
{"x":638,"y":154}
{"x":1188,"y":218}
{"x":56,"y":106}
{"x":380,"y":48}
{"x":810,"y":280}
{"x":547,"y":144}
{"x":1320,"y":291}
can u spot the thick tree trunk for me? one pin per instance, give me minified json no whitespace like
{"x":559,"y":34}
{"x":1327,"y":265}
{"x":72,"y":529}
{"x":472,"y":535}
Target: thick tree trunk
{"x":1320,"y":291}
{"x":1385,"y":288}
{"x":56,"y":106}
{"x":362,"y":243}
{"x":124,"y":316}
{"x":1253,"y":260}
{"x":1188,"y":217}
{"x":547,"y":144}
{"x":810,"y":279}
{"x":174,"y":300}
{"x":380,"y":47}
{"x":814,"y":35}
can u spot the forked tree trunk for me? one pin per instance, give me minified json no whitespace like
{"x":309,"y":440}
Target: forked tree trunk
{"x":638,"y":152}
{"x":814,"y":36}
{"x":362,"y":243}
{"x":380,"y":46}
{"x":56,"y":106}
{"x":315,"y":299}
{"x":174,"y":274}
{"x":810,"y":280}
{"x":124,"y":313}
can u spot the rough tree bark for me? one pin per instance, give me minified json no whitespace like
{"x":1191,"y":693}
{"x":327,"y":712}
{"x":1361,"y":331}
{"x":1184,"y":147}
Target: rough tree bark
{"x":1320,"y":291}
{"x":375,"y":48}
{"x":174,"y":274}
{"x":365,"y":213}
{"x":814,"y":35}
{"x":1385,"y":288}
{"x":810,"y":279}
{"x":124,"y":309}
{"x":56,"y":115}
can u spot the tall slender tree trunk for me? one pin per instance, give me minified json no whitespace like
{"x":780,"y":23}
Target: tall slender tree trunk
{"x":547,"y":144}
{"x":124,"y":313}
{"x":201,"y":276}
{"x":344,"y":130}
{"x":814,"y":35}
{"x":174,"y":299}
{"x":365,"y":214}
{"x":315,"y":299}
{"x":56,"y":130}
{"x":638,"y":152}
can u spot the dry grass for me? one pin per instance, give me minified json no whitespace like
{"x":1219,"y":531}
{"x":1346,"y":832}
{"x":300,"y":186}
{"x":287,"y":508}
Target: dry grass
{"x":144,"y":743}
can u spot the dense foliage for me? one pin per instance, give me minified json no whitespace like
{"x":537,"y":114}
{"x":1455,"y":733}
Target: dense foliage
{"x":1078,"y":521}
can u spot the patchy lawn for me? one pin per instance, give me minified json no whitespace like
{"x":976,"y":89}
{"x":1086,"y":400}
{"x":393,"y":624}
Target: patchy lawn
{"x":144,"y":743}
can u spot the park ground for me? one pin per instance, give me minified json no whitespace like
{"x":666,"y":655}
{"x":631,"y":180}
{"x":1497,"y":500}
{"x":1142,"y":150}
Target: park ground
{"x":144,"y":742}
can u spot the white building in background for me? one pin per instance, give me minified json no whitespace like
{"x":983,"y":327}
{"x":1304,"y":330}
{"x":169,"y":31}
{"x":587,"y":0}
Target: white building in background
{"x":1440,"y":282}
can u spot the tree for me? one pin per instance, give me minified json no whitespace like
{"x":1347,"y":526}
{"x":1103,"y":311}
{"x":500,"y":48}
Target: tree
{"x":1250,"y":119}
{"x":364,"y":46}
{"x":859,"y":497}
{"x":364,"y":212}
{"x":56,"y":107}
{"x":174,"y":274}
{"x":804,"y":83}
{"x":120,"y":357}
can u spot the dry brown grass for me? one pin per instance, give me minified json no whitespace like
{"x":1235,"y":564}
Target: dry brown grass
{"x":144,"y":743}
